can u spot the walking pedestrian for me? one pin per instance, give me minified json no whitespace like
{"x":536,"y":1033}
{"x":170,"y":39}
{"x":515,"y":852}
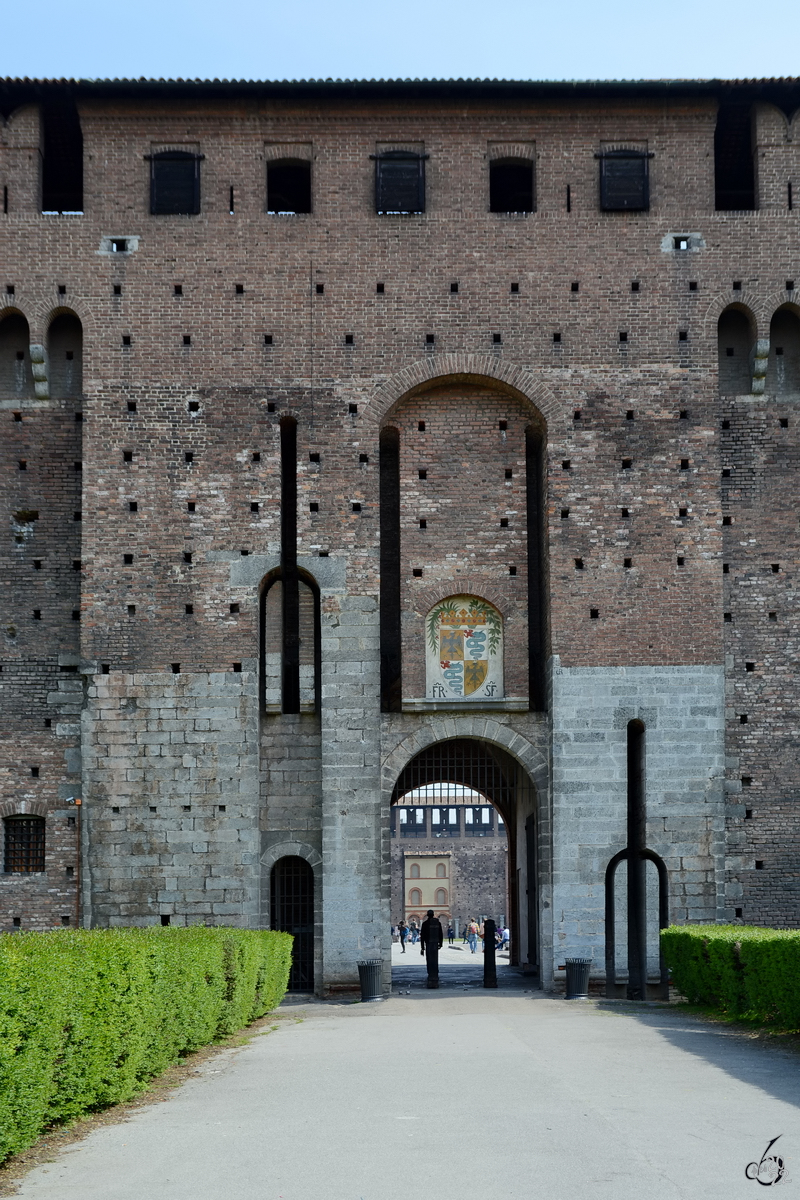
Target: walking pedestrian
{"x":451,"y":933}
{"x":403,"y":931}
{"x":431,"y":939}
{"x":472,"y":937}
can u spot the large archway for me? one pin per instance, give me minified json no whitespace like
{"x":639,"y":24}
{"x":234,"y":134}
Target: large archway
{"x":463,"y":806}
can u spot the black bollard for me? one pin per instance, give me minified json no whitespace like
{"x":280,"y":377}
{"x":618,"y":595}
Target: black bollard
{"x":489,"y":963}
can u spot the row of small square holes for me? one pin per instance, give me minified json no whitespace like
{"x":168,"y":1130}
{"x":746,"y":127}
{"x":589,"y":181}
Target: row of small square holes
{"x":16,"y":922}
{"x":115,"y":808}
{"x":61,"y":288}
{"x":188,"y":609}
{"x":417,"y":572}
{"x":626,"y":465}
{"x":380,"y":288}
{"x":430,"y":339}
{"x":627,"y":562}
{"x":352,"y":410}
{"x":105,"y":669}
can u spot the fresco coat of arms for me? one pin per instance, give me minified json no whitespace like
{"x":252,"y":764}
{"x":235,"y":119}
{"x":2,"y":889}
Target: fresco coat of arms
{"x":464,"y":653}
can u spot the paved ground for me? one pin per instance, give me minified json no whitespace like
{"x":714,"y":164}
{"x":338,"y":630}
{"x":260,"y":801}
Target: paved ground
{"x":457,"y":966}
{"x":457,"y":1094}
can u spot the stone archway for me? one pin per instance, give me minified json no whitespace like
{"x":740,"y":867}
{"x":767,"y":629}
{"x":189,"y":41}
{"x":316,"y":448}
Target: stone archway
{"x":503,"y":766}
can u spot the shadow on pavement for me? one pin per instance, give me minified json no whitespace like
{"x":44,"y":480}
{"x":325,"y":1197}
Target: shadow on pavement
{"x":742,"y":1054}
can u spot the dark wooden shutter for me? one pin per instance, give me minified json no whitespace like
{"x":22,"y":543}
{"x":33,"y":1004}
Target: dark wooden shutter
{"x":175,"y":183}
{"x":624,"y":182}
{"x":400,"y":182}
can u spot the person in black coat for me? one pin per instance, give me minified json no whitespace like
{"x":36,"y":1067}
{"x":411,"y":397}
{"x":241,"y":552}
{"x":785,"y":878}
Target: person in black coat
{"x":431,"y":941}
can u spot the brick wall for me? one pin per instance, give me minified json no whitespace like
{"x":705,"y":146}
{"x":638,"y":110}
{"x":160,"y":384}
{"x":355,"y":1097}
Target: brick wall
{"x":219,"y":399}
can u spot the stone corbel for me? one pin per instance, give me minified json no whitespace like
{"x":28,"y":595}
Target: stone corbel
{"x":40,"y":368}
{"x":760,"y":364}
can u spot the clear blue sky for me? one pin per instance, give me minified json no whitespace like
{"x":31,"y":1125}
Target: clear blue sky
{"x":512,"y":39}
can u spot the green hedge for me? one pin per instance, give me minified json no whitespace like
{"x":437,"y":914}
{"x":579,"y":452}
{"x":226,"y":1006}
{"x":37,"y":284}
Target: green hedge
{"x":87,"y":1017}
{"x":742,"y":969}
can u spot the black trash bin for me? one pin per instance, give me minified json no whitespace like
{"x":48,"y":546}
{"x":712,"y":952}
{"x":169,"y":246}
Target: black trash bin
{"x":369,"y":976}
{"x":578,"y":978}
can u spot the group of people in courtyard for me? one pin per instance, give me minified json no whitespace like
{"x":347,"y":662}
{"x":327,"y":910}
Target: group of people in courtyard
{"x":472,"y":932}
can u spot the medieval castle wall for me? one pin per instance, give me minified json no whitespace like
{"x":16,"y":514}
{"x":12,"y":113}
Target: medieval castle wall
{"x":666,"y":535}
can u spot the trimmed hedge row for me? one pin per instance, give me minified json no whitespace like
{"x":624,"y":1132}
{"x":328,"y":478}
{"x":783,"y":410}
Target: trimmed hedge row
{"x":745,"y":970}
{"x":87,"y":1017}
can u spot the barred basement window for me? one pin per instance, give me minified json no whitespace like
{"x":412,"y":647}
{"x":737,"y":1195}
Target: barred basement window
{"x":399,"y":182}
{"x":23,"y":845}
{"x":175,"y":182}
{"x":624,"y":180}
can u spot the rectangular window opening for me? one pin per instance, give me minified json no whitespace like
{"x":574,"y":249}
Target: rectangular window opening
{"x":62,"y":163}
{"x":289,"y":187}
{"x":511,"y":186}
{"x":624,"y":181}
{"x":399,"y":183}
{"x":175,"y":183}
{"x":734,"y":176}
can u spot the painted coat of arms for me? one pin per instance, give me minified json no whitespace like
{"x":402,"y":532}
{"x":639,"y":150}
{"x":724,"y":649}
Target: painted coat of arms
{"x":464,"y":650}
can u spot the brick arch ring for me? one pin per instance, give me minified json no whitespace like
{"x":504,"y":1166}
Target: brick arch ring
{"x":464,"y":368}
{"x":24,"y":808}
{"x":46,"y":314}
{"x":428,"y":598}
{"x":480,"y":728}
{"x":747,"y":302}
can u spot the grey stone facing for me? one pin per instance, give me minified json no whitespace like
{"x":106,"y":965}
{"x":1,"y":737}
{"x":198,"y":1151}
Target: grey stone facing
{"x":183,"y":746}
{"x":683,"y":711}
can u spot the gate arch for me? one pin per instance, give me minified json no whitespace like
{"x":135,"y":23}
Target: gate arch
{"x":489,"y":768}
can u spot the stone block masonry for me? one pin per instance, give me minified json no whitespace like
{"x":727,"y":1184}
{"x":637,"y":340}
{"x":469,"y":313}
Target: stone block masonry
{"x":172,"y":799}
{"x":683,"y":711}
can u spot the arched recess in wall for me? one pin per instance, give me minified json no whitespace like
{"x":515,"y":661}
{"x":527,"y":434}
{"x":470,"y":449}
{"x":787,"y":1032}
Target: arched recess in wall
{"x":736,"y":336}
{"x":274,"y":685}
{"x":65,"y":355}
{"x":292,"y":910}
{"x":462,"y":492}
{"x":391,"y":656}
{"x":783,"y":372}
{"x":16,"y":375}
